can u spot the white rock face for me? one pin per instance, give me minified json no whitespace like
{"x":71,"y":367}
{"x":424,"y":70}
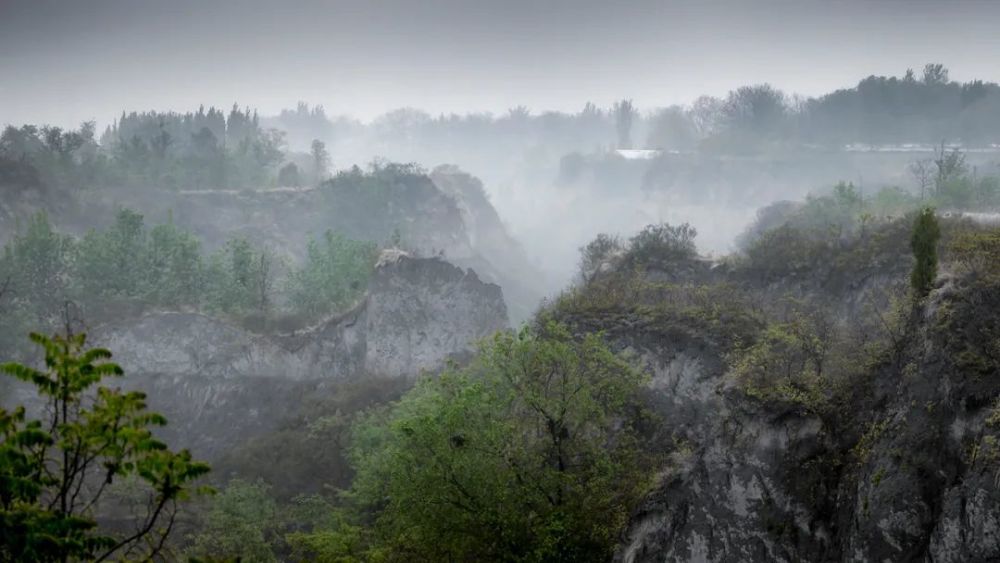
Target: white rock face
{"x":418,"y":312}
{"x":219,"y":384}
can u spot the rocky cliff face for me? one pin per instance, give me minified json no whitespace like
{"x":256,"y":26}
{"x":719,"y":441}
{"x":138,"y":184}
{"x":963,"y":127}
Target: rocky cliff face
{"x":417,"y":313}
{"x":219,"y":384}
{"x":906,"y":469}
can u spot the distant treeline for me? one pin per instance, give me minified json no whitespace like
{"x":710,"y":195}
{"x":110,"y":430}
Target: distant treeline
{"x":240,"y":150}
{"x":924,"y":107}
{"x":203,"y":149}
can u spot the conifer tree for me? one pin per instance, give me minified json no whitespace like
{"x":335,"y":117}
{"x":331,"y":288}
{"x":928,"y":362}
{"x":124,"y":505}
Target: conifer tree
{"x":923,"y":242}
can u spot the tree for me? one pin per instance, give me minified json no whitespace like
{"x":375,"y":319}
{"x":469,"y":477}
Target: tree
{"x":624,"y":112}
{"x":923,"y":242}
{"x":671,"y":128}
{"x":335,"y":272}
{"x":289,"y":175}
{"x":596,"y":252}
{"x":950,"y":166}
{"x":706,"y":115}
{"x":263,"y":279}
{"x":241,"y":278}
{"x":662,"y":244}
{"x":922,"y":174}
{"x":173,"y":266}
{"x":57,"y":473}
{"x":37,"y":262}
{"x":239,"y":523}
{"x":758,"y":109}
{"x":527,"y":455}
{"x":935,"y":73}
{"x":321,"y":158}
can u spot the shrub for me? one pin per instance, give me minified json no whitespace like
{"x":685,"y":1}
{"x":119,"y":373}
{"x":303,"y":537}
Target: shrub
{"x":662,"y":244}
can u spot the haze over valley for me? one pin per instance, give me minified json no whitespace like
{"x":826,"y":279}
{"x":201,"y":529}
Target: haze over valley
{"x":499,"y":281}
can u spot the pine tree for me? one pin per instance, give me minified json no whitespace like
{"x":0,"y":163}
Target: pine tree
{"x":923,"y":242}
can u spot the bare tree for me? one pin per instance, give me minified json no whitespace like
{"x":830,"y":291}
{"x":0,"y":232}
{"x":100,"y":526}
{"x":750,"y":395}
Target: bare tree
{"x":922,"y":173}
{"x":950,"y":165}
{"x":706,"y":115}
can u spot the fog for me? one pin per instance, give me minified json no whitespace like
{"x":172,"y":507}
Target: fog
{"x":69,"y":62}
{"x":65,"y":61}
{"x":499,"y":280}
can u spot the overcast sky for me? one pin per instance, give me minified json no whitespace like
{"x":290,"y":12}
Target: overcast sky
{"x":65,"y":61}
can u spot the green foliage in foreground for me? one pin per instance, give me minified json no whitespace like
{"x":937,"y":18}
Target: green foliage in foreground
{"x":926,"y":233}
{"x":527,"y":455}
{"x":57,"y":474}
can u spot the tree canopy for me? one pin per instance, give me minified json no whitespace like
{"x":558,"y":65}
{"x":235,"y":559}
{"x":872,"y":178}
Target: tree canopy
{"x":58,"y":473}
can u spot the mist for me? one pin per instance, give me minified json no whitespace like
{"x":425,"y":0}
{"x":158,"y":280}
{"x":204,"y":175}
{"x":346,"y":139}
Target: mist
{"x":524,"y":280}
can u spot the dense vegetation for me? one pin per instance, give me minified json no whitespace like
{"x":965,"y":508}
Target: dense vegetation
{"x":196,"y":150}
{"x":128,"y":268}
{"x":531,"y":453}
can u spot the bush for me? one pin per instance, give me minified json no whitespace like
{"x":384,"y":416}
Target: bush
{"x":787,"y":363}
{"x":662,"y":244}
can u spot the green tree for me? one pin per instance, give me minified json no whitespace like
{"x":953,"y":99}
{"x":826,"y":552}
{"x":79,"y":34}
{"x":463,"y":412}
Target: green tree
{"x":110,"y":263}
{"x":240,"y":523}
{"x":335,"y":273}
{"x":172,"y":266}
{"x":923,"y":242}
{"x":241,"y":278}
{"x":37,"y":264}
{"x":55,"y":473}
{"x":527,"y":455}
{"x":662,"y":244}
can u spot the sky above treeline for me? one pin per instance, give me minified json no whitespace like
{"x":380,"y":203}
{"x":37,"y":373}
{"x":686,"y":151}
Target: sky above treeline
{"x":66,"y":61}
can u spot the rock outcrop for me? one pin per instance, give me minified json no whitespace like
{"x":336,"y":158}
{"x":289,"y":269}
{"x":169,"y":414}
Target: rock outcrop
{"x":906,"y":470}
{"x":219,"y":384}
{"x":416,"y":314}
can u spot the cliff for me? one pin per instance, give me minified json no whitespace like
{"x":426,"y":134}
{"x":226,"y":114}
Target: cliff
{"x":800,"y":419}
{"x":219,"y":384}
